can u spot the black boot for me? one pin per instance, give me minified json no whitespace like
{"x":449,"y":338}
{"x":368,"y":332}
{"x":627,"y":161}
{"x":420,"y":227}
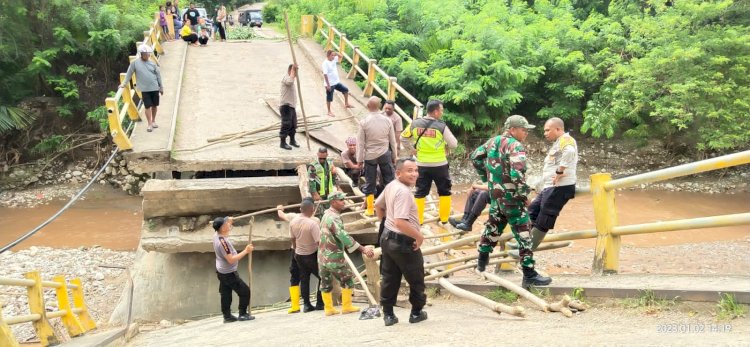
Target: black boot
{"x":455,"y":222}
{"x":229,"y":318}
{"x":467,"y":223}
{"x":319,"y":303}
{"x":533,"y":278}
{"x":482,"y":261}
{"x":292,"y":141}
{"x":283,"y":144}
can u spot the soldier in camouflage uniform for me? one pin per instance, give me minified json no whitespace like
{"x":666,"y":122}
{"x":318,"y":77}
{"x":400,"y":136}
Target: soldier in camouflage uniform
{"x":334,"y":240}
{"x":501,"y":163}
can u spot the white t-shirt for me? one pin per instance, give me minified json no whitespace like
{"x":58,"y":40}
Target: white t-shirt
{"x":332,"y":71}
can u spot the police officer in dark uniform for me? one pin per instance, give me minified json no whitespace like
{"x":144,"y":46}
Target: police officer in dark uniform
{"x":400,"y":243}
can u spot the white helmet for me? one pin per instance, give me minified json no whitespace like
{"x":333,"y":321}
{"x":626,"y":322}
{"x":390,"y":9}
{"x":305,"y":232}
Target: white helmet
{"x":144,"y":48}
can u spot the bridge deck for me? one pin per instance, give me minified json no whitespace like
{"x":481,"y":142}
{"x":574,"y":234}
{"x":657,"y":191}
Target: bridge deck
{"x":224,"y":88}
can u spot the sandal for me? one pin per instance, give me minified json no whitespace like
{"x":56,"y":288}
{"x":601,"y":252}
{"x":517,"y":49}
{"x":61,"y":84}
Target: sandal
{"x":155,"y":126}
{"x":149,"y":129}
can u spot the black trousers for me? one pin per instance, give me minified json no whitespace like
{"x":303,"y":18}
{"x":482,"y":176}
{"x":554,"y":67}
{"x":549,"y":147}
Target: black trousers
{"x":192,"y":38}
{"x":384,"y":162}
{"x":439,"y":174}
{"x":288,"y":120}
{"x":399,"y":259}
{"x":545,"y":208}
{"x":203,"y":40}
{"x":476,"y":203}
{"x":232,"y":282}
{"x":222,"y":34}
{"x":294,"y":272}
{"x":308,"y":265}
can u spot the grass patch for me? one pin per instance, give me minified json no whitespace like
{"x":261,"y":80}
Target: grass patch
{"x":432,"y":292}
{"x":240,"y":33}
{"x":151,"y":225}
{"x":502,"y":295}
{"x":649,"y":302}
{"x":578,"y":294}
{"x":543,"y":293}
{"x":728,"y":308}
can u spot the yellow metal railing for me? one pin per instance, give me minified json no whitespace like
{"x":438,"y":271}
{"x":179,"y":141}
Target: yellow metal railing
{"x":337,"y":40}
{"x":75,"y":317}
{"x":608,"y":232}
{"x":124,"y":100}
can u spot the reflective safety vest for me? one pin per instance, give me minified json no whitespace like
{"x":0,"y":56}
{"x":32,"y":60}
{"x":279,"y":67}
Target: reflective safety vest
{"x":321,"y":180}
{"x":427,"y":134}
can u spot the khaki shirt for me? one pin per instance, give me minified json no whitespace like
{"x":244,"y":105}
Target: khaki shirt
{"x":305,"y":231}
{"x":375,"y":137}
{"x":288,"y":94}
{"x":398,"y":203}
{"x":398,"y":125}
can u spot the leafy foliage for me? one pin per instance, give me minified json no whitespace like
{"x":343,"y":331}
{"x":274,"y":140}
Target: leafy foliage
{"x":674,"y":70}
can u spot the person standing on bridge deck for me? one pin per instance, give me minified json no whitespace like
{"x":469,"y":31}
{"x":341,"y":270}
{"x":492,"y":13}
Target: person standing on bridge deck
{"x":431,"y":137}
{"x":400,"y":242}
{"x":192,"y":17}
{"x":377,"y":148}
{"x":227,"y":260}
{"x":334,"y":240}
{"x":389,"y":109}
{"x":501,"y":163}
{"x":304,"y":231}
{"x":322,"y":178}
{"x":288,"y":102}
{"x":332,"y":81}
{"x":352,"y":167}
{"x":148,"y":79}
{"x":221,"y":16}
{"x":558,"y":181}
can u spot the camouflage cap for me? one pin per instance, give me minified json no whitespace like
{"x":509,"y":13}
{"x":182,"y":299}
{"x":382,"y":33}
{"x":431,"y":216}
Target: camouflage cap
{"x":516,"y":121}
{"x":337,"y":196}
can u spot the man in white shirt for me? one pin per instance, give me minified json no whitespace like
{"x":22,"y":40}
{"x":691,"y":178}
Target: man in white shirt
{"x":332,"y":81}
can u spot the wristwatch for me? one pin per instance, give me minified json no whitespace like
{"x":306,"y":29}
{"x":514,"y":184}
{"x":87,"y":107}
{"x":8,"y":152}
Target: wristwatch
{"x":559,"y":172}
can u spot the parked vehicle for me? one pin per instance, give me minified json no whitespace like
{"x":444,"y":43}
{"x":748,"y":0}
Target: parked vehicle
{"x":252,"y":18}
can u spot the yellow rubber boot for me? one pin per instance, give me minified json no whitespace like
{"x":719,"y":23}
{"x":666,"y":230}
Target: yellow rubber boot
{"x":346,"y":301}
{"x":370,"y":205}
{"x":444,"y":208}
{"x":328,"y":302}
{"x":294,"y":296}
{"x":420,"y":209}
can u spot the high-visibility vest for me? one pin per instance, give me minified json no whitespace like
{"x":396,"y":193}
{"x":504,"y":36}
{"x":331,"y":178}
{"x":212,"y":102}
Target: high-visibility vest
{"x":325,"y":177}
{"x":431,"y":145}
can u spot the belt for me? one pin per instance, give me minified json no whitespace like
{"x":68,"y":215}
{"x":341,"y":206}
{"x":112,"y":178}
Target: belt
{"x":398,"y":237}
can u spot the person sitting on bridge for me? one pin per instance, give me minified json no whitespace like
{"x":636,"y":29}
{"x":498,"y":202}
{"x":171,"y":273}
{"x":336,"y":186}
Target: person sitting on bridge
{"x":352,"y":167}
{"x":322,"y":178}
{"x":332,"y":81}
{"x":477,"y":200}
{"x":558,"y":180}
{"x":149,"y":83}
{"x":304,"y":231}
{"x":227,"y":260}
{"x":189,"y":36}
{"x":203,"y":38}
{"x":334,"y":241}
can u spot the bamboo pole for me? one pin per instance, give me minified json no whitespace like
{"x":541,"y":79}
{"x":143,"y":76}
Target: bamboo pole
{"x":299,"y":89}
{"x":466,"y":266}
{"x":560,"y":306}
{"x":250,"y":265}
{"x":517,"y":311}
{"x":274,"y":209}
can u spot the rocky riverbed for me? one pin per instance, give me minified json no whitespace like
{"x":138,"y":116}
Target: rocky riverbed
{"x":102,"y":285}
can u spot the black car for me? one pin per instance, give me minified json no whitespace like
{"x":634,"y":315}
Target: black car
{"x":251,"y":18}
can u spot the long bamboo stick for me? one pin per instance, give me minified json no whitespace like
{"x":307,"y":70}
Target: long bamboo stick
{"x":517,"y":311}
{"x":299,"y":89}
{"x":274,"y":209}
{"x":466,"y":266}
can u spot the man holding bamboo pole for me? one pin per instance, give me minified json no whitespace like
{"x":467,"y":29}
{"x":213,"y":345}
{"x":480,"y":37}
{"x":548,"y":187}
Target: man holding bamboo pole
{"x":288,"y":102}
{"x":400,"y":243}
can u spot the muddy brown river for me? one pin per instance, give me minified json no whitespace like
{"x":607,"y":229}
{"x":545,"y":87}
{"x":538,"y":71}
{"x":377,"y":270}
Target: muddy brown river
{"x":112,"y":219}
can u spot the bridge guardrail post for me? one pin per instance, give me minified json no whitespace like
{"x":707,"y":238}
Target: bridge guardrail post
{"x":115,"y":126}
{"x":79,"y":303}
{"x":6,"y":335}
{"x":392,"y":88}
{"x":370,"y":77}
{"x":306,"y":25}
{"x":417,"y":112}
{"x":329,"y":43}
{"x":342,"y":44}
{"x":70,"y":320}
{"x":607,"y":252}
{"x":355,"y":62}
{"x":36,"y":306}
{"x":127,"y":96}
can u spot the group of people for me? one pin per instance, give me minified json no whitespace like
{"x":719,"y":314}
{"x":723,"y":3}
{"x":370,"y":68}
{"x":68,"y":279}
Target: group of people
{"x":192,"y":27}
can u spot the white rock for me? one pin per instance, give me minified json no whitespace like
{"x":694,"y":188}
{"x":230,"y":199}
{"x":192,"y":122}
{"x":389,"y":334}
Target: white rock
{"x":68,"y":176}
{"x":99,"y":276}
{"x":77,"y":173}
